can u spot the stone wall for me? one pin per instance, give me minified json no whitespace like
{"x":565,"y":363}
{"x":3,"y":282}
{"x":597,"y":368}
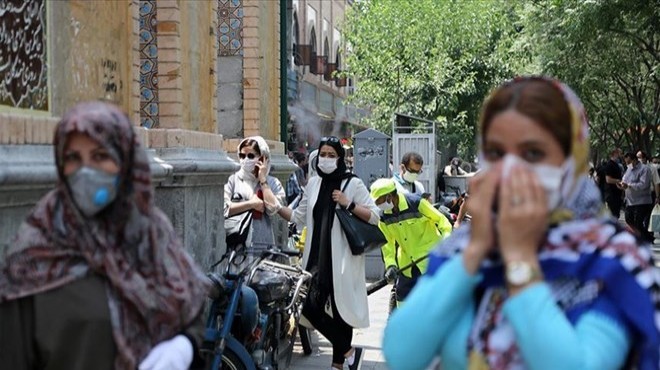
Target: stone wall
{"x":91,"y":49}
{"x":188,"y":174}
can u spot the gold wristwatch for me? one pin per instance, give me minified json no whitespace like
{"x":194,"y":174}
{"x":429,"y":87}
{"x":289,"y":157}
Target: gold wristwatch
{"x":519,"y":273}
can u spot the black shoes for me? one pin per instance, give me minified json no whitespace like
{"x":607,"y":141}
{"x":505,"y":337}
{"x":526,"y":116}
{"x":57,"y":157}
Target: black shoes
{"x":358,"y":356}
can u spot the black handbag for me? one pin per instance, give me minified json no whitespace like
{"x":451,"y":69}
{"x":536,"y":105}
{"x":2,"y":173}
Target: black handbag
{"x":362,"y":236}
{"x":237,"y":228}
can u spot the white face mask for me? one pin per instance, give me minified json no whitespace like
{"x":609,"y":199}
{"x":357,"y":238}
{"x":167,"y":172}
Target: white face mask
{"x":386,"y":206}
{"x":550,"y":177}
{"x":248,"y":165}
{"x":327,"y":165}
{"x":410,"y":177}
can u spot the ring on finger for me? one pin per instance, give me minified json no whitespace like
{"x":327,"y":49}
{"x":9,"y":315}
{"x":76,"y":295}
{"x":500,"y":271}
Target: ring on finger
{"x":516,"y":200}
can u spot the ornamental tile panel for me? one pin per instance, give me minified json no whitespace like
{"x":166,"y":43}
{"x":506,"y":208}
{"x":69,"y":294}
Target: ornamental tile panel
{"x":148,"y":64}
{"x":230,"y":27}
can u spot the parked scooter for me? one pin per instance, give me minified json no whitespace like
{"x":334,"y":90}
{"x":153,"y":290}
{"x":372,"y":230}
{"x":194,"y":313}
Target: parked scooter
{"x":254,"y":314}
{"x":450,"y":204}
{"x":452,"y":198}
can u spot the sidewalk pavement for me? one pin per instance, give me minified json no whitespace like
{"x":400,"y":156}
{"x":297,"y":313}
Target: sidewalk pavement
{"x":370,"y":339}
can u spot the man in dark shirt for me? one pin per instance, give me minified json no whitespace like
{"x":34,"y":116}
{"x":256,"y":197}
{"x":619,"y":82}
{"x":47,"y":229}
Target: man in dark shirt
{"x":600,"y":177}
{"x":613,"y":175}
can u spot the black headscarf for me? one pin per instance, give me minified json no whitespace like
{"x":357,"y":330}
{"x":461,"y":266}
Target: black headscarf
{"x":320,"y":256}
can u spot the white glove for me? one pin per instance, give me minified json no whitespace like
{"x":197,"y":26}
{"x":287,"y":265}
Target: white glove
{"x":172,"y":354}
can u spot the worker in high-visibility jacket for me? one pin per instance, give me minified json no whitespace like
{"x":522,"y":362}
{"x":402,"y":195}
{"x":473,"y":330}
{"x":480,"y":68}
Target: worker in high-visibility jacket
{"x":413,"y":227}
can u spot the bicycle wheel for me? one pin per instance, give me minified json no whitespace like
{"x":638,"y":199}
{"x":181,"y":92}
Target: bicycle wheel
{"x":230,"y":361}
{"x":305,"y":334}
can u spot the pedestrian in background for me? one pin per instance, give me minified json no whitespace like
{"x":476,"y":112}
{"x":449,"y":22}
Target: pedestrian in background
{"x":298,"y":179}
{"x":409,"y":170}
{"x":96,"y":277}
{"x":655,"y":177}
{"x":613,"y":175}
{"x":642,"y":157}
{"x":600,"y":177}
{"x":412,"y":227}
{"x":636,"y":184}
{"x":538,"y":279}
{"x":655,"y":170}
{"x":252,"y":189}
{"x":311,"y":172}
{"x":337,"y":298}
{"x":454,"y":168}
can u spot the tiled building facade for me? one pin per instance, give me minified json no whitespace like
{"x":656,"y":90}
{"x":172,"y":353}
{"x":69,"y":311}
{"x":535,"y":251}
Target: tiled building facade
{"x":164,"y":62}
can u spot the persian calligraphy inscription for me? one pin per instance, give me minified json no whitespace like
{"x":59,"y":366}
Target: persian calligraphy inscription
{"x":23,"y":63}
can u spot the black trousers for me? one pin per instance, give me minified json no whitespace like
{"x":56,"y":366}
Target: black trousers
{"x":614,"y":204}
{"x":334,"y":329}
{"x":637,"y":217}
{"x":405,"y":284}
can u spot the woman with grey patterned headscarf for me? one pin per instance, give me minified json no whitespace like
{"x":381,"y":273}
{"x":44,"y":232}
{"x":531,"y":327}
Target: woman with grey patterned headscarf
{"x":96,"y":277}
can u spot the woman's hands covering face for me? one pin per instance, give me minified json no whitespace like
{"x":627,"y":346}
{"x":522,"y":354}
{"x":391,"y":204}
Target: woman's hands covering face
{"x":523,"y":215}
{"x":482,"y":196}
{"x":522,"y":212}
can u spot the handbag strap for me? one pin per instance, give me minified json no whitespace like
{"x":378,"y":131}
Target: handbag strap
{"x":346,"y":184}
{"x":254,"y":189}
{"x":343,"y":190}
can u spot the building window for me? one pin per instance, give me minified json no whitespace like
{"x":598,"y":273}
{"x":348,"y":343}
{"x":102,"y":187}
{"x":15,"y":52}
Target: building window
{"x":295,"y":38}
{"x":312,"y":41}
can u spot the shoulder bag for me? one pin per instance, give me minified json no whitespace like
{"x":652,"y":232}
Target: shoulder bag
{"x":237,"y":227}
{"x":362,"y":236}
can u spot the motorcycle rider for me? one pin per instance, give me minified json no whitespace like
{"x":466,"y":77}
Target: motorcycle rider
{"x":409,"y":169}
{"x":406,"y":182}
{"x":411,"y":223}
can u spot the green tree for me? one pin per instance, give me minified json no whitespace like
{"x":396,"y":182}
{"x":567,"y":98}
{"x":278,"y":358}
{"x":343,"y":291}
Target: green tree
{"x":609,"y":52}
{"x":433,"y":59}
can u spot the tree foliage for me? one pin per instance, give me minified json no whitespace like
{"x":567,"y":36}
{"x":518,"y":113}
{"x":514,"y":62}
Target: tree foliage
{"x":432,"y":59}
{"x":609,"y":52}
{"x":438,"y":59}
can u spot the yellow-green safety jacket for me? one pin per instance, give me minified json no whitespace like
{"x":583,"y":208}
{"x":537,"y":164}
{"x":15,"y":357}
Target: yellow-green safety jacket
{"x":413,"y":232}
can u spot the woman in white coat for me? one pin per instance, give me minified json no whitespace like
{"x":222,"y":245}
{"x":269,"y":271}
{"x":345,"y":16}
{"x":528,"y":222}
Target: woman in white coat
{"x":337,"y":301}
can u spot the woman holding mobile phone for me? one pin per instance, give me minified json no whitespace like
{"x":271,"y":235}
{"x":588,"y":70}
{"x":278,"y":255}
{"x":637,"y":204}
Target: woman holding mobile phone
{"x":252,"y":189}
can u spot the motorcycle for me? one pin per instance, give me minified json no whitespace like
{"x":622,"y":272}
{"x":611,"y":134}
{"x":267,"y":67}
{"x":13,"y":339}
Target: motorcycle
{"x":254,"y":313}
{"x":450,"y":204}
{"x":452,"y":199}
